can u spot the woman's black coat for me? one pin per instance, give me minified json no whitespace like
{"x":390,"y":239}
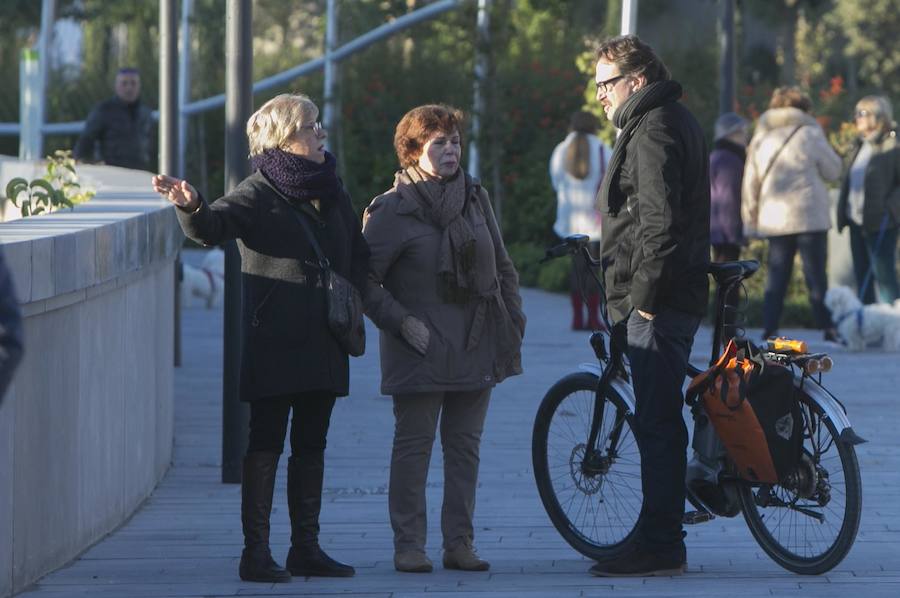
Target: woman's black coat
{"x":287,"y":346}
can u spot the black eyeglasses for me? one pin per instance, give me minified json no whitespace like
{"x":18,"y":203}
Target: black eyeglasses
{"x":606,"y":86}
{"x":863,"y":113}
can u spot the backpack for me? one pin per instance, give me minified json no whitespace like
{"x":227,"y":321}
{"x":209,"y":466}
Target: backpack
{"x":751,"y":404}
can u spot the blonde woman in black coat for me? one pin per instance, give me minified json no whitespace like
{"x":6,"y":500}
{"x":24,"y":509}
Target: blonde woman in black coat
{"x":869,"y":203}
{"x":290,"y":362}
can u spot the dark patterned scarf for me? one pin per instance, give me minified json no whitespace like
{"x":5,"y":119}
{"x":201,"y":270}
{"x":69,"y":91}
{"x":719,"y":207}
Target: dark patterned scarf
{"x":443,"y":201}
{"x":297,"y":178}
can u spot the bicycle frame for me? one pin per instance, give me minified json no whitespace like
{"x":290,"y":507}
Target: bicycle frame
{"x":615,"y":375}
{"x":827,"y":469}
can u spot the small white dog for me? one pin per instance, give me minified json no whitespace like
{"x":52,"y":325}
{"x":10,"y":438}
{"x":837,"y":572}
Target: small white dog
{"x":206,"y":283}
{"x":863,"y":325}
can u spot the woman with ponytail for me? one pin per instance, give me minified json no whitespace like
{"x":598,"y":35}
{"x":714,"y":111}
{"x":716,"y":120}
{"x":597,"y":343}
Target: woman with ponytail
{"x":576,"y":168}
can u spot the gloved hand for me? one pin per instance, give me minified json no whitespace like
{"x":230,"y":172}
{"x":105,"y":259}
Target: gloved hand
{"x":416,"y":333}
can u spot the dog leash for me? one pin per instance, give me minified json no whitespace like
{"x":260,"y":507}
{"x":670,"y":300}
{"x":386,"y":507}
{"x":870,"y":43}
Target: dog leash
{"x":858,"y":312}
{"x":872,"y":254}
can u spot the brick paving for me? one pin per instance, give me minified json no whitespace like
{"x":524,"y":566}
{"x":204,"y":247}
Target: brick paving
{"x":186,"y":540}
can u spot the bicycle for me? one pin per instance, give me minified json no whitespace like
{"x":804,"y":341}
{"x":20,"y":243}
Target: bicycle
{"x":587,"y":464}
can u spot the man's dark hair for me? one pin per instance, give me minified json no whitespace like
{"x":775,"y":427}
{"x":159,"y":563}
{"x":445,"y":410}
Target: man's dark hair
{"x":128,"y":70}
{"x":633,"y":57}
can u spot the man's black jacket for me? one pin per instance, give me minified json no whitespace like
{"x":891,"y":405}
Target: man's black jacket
{"x":125,"y":133}
{"x":655,"y":209}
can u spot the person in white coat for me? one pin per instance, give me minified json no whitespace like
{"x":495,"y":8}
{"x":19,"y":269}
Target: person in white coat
{"x":784,"y":199}
{"x":576,"y":168}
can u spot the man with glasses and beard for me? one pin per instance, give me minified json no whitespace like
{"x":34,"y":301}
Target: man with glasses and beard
{"x":654,"y":201}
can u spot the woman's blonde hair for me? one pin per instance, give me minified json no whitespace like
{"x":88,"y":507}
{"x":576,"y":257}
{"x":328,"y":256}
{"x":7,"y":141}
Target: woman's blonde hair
{"x":273,"y":125}
{"x":879,"y":106}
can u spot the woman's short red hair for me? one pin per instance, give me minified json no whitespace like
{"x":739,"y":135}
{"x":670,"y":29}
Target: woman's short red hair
{"x":419,"y":125}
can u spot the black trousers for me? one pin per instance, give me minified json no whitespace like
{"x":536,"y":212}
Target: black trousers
{"x":863,"y":247}
{"x":659,"y":350}
{"x":813,"y":248}
{"x":310,"y":417}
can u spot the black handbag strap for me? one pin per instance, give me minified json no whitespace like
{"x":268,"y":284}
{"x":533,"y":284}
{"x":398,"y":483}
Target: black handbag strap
{"x":324,"y":264}
{"x":777,"y":153}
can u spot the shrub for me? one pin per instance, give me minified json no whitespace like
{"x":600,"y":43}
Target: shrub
{"x":58,"y":188}
{"x":555,"y":275}
{"x":526,"y":257}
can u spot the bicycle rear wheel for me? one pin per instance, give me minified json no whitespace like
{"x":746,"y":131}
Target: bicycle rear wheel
{"x":593,"y":497}
{"x":808,"y":525}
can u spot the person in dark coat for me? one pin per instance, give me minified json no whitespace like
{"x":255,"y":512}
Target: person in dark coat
{"x":445,"y":295}
{"x":869,"y":203}
{"x":726,"y":170}
{"x":655,"y":249}
{"x":11,"y":333}
{"x":290,"y":362}
{"x":122,"y":126}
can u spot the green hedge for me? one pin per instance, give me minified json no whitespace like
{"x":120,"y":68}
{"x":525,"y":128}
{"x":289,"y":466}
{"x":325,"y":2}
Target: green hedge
{"x":554,"y":276}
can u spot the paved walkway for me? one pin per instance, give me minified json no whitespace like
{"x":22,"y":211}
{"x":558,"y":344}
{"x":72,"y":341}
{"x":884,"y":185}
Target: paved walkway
{"x":186,"y":540}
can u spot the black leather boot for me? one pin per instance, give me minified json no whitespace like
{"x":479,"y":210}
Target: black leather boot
{"x":257,"y":487}
{"x":306,"y":558}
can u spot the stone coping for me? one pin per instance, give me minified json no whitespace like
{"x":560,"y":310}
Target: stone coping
{"x":125,"y":228}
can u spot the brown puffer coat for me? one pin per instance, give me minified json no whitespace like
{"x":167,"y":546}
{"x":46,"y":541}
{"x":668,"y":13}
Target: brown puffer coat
{"x":473,"y":345}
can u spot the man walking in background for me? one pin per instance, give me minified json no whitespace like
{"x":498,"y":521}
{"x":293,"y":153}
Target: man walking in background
{"x":654,"y":202}
{"x":122,"y":125}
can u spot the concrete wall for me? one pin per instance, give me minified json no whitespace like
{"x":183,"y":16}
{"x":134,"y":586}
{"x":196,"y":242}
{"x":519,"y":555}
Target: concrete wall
{"x":86,"y":429}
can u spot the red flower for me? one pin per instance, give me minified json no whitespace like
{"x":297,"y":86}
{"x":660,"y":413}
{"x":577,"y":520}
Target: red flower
{"x":837,"y":85}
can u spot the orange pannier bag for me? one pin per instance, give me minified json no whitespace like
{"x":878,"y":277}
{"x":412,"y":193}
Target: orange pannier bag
{"x":751,"y":404}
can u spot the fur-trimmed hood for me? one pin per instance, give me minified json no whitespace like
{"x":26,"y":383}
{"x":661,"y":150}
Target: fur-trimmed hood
{"x":784,"y":117}
{"x":788,"y":161}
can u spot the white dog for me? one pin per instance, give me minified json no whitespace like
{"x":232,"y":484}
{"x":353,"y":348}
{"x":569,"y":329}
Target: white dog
{"x":863,"y":325}
{"x":207,"y":282}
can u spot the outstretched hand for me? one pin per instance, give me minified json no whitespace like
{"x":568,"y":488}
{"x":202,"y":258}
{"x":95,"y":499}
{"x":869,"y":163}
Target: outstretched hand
{"x":178,"y":191}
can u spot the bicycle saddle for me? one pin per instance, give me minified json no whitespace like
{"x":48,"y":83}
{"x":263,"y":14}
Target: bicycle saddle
{"x":724,"y":272}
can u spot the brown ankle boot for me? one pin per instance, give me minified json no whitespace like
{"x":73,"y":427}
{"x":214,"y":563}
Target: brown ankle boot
{"x":464,"y":558}
{"x":412,"y":561}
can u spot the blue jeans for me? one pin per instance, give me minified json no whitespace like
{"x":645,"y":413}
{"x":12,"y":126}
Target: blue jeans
{"x":884,"y":273}
{"x":813,"y":248}
{"x":658,"y":350}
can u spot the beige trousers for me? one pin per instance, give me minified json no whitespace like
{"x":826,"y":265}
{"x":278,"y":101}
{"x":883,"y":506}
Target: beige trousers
{"x":462,"y":421}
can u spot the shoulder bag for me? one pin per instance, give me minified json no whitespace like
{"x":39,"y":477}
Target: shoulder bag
{"x":343,"y":302}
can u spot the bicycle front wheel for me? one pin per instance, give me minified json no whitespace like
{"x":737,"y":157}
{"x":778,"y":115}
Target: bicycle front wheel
{"x":809,"y":524}
{"x":592,"y":494}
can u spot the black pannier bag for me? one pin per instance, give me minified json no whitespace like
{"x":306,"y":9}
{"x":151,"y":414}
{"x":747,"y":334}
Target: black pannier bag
{"x":752,"y":405}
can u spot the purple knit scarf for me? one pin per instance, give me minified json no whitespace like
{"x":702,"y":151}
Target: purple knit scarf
{"x":297,"y":178}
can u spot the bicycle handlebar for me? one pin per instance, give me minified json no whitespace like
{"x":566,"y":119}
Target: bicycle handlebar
{"x":557,"y":251}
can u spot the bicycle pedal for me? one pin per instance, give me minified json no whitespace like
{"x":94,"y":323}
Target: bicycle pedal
{"x":695,"y":517}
